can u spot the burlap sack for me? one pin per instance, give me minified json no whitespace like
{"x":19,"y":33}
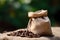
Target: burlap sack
{"x":39,"y":25}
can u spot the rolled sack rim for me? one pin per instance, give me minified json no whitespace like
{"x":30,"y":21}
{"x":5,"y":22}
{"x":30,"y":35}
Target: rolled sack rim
{"x":39,"y":13}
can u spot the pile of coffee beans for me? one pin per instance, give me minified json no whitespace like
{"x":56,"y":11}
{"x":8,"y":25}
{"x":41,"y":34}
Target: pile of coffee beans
{"x":29,"y":34}
{"x":24,"y":33}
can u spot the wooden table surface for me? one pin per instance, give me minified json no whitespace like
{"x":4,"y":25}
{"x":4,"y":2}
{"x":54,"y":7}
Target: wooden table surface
{"x":55,"y":30}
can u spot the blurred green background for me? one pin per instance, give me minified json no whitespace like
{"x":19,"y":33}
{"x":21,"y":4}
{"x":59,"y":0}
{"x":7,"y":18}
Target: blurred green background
{"x":15,"y":12}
